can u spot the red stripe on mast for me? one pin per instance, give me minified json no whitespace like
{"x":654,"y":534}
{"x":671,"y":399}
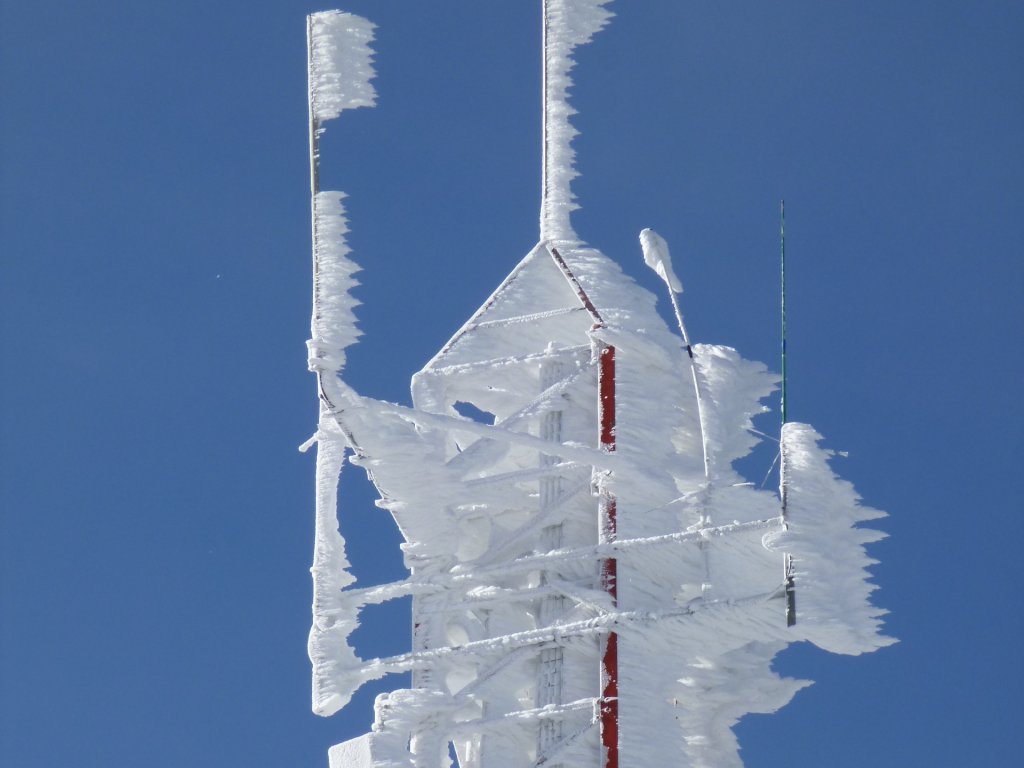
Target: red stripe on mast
{"x":609,"y":568}
{"x":607,"y":527}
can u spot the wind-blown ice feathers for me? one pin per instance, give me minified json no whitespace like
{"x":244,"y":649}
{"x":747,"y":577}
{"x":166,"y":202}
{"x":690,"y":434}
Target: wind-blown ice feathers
{"x":334,"y":321}
{"x":830,"y":562}
{"x":567,"y":24}
{"x":339,"y":78}
{"x":328,"y":646}
{"x":340,"y":71}
{"x":340,"y":67}
{"x":513,"y":500}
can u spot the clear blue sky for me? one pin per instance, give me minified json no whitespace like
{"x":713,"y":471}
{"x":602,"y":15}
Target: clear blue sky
{"x":157,"y":520}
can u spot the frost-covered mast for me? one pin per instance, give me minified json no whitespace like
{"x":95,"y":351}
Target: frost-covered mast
{"x":593,"y":585}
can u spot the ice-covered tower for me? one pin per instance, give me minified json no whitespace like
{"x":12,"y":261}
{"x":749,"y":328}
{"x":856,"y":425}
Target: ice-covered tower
{"x":593,"y":583}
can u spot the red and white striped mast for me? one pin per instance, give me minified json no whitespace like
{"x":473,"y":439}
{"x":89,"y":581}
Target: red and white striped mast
{"x":556,"y":204}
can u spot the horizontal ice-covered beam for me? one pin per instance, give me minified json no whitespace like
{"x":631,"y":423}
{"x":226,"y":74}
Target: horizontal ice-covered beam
{"x":613,"y":548}
{"x":471,"y":573}
{"x":549,"y":712}
{"x":340,"y":395}
{"x":580,"y":351}
{"x":558,"y":635}
{"x":519,"y":319}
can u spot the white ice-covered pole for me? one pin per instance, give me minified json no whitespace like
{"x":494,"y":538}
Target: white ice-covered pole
{"x":788,"y":575}
{"x":656,"y":256}
{"x":339,"y":69}
{"x":566,"y":25}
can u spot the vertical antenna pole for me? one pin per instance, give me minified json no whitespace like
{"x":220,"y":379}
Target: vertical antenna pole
{"x":782,"y":249}
{"x":314,"y":189}
{"x":544,"y":175}
{"x":701,"y":415}
{"x":790,"y":581}
{"x":314,"y":138}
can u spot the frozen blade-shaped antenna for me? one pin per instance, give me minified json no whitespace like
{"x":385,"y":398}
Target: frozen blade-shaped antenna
{"x":567,"y":24}
{"x":656,"y":257}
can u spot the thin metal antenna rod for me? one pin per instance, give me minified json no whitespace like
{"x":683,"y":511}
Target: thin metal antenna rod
{"x":314,"y":190}
{"x":314,"y":127}
{"x":790,"y":581}
{"x":545,"y":176}
{"x":782,"y":249}
{"x":314,"y":186}
{"x":701,"y":415}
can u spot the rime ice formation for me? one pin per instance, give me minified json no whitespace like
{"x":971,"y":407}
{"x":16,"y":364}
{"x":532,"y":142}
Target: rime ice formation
{"x":592,"y":581}
{"x":567,"y":25}
{"x":656,"y":257}
{"x":340,"y":67}
{"x":339,"y":79}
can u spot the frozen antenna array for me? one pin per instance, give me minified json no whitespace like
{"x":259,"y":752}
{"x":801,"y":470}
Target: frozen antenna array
{"x":592,"y":582}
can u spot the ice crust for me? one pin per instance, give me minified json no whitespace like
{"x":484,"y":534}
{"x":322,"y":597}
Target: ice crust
{"x":334,"y":322}
{"x":827,"y":546}
{"x":505,"y":517}
{"x":340,"y":67}
{"x":700,"y":558}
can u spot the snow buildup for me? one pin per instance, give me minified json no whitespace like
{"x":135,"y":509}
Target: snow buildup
{"x":340,"y":66}
{"x":332,"y":624}
{"x":567,"y":24}
{"x":334,"y":321}
{"x":339,"y":79}
{"x":538,"y":531}
{"x":504,"y":550}
{"x":830,"y":563}
{"x":656,"y":257}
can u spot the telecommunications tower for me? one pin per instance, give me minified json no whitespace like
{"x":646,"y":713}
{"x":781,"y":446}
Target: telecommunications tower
{"x":593,"y":584}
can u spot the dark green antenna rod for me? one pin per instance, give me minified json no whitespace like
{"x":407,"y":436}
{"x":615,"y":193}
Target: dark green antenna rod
{"x":790,"y":582}
{"x":782,"y":240}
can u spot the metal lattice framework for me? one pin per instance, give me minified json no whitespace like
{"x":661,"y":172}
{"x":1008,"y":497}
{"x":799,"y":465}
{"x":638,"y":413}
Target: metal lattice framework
{"x":592,"y":583}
